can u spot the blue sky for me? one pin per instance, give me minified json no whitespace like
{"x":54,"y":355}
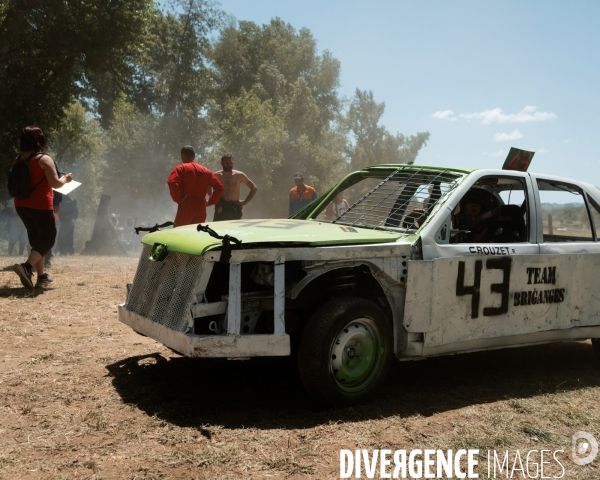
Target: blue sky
{"x":480,"y":76}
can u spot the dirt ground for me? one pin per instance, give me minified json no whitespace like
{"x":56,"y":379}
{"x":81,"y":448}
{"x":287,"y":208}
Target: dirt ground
{"x":83,"y":396}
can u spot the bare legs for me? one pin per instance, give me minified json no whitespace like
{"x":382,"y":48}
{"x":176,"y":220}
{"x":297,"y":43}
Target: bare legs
{"x":36,"y":261}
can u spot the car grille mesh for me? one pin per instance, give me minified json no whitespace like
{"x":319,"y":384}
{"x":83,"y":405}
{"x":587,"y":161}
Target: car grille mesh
{"x":403,"y":200}
{"x":161,"y":291}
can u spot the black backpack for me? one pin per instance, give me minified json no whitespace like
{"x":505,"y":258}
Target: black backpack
{"x":19,"y":178}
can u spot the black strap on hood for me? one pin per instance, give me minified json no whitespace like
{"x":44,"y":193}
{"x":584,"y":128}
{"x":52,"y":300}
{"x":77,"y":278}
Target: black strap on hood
{"x":227,"y":241}
{"x":155,"y":228}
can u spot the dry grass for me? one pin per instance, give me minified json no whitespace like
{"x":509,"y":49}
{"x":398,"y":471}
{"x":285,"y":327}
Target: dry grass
{"x":83,"y":396}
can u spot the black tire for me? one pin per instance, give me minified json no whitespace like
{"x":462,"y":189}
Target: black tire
{"x":345,"y":351}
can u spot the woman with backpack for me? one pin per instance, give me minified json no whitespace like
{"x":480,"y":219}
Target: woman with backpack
{"x":33,"y":202}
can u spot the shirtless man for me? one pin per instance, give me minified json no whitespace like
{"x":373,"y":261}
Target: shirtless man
{"x":230,"y":206}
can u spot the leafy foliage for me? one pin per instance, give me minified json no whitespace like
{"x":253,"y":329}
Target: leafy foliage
{"x":78,"y":146}
{"x":51,"y":49}
{"x":120,"y":85}
{"x":372,"y":143}
{"x":276,"y":72}
{"x":136,"y":167}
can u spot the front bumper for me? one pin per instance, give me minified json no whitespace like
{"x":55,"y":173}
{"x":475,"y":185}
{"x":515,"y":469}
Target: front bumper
{"x":209,"y":346}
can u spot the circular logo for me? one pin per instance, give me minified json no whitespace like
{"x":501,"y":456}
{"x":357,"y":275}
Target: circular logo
{"x":585,"y":448}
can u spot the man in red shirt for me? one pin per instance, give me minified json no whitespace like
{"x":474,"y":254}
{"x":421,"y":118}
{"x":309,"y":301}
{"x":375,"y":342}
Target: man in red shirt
{"x":188,"y":185}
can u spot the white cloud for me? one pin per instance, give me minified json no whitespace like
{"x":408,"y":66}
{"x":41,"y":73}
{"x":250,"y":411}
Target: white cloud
{"x":542,"y":150}
{"x":445,"y":115}
{"x":495,"y":115}
{"x":499,"y":153}
{"x":502,"y":137}
{"x":528,"y":114}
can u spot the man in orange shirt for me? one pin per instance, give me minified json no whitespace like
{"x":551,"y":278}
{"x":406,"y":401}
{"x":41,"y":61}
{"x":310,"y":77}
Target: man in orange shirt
{"x":188,"y":185}
{"x":301,"y":195}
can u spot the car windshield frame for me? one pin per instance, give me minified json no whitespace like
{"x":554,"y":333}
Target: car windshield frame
{"x":402,"y":202}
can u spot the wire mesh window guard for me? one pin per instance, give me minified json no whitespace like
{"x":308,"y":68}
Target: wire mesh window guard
{"x":402,"y":201}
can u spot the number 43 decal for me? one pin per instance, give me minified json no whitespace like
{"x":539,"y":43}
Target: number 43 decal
{"x":503,"y":264}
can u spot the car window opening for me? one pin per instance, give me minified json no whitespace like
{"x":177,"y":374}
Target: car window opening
{"x":494,"y":210}
{"x":565,"y":214}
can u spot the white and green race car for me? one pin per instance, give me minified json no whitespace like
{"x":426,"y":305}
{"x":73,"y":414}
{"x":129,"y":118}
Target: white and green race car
{"x":424,"y":261}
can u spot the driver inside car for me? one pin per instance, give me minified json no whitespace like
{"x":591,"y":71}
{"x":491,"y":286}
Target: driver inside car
{"x":474,"y":216}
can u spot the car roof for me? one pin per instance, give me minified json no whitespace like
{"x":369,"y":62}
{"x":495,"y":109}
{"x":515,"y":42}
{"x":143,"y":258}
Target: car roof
{"x":555,"y":178}
{"x":388,"y":168}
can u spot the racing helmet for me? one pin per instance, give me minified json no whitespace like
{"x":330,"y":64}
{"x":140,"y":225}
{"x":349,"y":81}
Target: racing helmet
{"x":486,"y":199}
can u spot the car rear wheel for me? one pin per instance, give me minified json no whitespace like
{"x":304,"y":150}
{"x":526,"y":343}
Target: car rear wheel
{"x":345,"y":351}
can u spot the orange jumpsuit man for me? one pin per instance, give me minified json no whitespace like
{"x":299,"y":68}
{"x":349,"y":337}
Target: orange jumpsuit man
{"x":188,"y":185}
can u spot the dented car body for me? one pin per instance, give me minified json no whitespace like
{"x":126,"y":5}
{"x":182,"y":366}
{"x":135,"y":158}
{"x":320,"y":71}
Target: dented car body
{"x":403,"y":271}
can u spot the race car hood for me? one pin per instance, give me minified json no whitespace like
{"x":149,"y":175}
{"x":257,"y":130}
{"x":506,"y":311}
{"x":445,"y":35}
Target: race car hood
{"x":256,"y":232}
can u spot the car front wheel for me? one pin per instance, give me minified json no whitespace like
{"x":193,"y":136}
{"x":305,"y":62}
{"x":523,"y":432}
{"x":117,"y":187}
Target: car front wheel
{"x":345,"y":351}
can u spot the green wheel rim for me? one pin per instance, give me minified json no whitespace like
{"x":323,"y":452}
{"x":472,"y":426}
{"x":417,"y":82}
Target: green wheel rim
{"x":357,"y":355}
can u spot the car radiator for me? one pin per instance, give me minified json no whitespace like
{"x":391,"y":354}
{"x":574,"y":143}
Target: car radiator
{"x":162,"y":291}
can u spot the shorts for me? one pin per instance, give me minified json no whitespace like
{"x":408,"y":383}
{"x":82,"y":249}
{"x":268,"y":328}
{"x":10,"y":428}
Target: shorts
{"x":41,"y":228}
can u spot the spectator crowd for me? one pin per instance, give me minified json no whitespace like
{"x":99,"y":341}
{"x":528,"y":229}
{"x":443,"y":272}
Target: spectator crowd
{"x":40,"y":221}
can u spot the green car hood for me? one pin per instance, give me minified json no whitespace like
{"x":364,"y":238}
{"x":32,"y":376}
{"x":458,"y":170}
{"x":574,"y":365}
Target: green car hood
{"x":255,"y":232}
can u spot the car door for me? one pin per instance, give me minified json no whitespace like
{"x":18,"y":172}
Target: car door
{"x":568,"y":233}
{"x":466,"y":294}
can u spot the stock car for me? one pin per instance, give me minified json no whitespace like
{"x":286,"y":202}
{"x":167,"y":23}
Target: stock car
{"x":405,"y":271}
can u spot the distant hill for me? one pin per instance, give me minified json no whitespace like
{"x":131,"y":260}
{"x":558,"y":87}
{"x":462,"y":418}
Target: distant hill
{"x":553,"y":207}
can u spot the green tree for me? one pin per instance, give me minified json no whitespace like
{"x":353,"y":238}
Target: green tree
{"x":163,"y":107}
{"x":257,"y":137}
{"x":120,"y":86}
{"x":275,"y":61}
{"x":50,"y":49}
{"x":136,"y":165}
{"x":77,"y":146}
{"x":276,"y":70}
{"x":171,"y":78}
{"x":371,"y":143}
